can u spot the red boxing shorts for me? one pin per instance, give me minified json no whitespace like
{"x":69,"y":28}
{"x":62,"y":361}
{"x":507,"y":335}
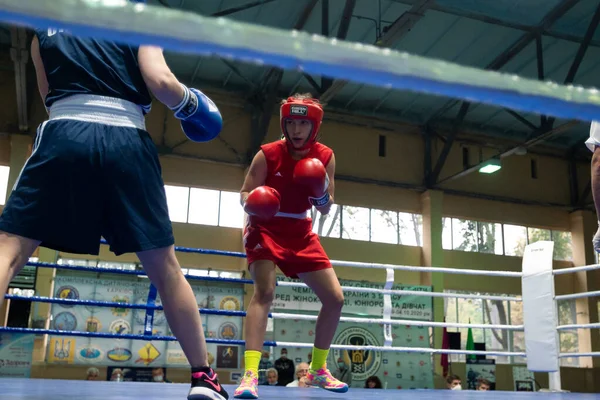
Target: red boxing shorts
{"x":290,"y":243}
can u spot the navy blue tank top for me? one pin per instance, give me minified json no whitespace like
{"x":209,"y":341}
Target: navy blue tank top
{"x":76,"y":65}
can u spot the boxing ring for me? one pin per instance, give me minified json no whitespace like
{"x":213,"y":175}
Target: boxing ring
{"x":16,"y":389}
{"x":136,"y":23}
{"x":537,"y":263}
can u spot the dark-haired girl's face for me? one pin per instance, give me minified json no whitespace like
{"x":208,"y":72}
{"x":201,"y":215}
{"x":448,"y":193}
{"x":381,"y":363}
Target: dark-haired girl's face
{"x":298,"y":130}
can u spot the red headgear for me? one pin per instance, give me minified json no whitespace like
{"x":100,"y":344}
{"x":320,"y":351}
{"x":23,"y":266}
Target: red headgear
{"x":309,"y":109}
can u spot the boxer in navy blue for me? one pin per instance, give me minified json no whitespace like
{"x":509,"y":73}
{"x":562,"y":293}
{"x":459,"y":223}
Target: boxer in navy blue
{"x":94,"y":172}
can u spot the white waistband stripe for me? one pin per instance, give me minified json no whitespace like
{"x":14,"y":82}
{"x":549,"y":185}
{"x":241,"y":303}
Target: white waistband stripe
{"x":99,"y":109}
{"x":303,"y":215}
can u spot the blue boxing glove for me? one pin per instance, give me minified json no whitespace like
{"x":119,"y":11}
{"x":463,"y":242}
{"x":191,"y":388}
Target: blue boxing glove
{"x":200,"y":118}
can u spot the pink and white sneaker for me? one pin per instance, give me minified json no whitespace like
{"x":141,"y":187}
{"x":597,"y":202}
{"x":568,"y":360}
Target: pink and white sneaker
{"x":323,"y":379}
{"x":206,"y":386}
{"x":248,"y":388}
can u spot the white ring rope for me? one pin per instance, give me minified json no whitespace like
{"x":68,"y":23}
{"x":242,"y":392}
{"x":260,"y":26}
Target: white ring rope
{"x":578,"y":326}
{"x":573,"y":270}
{"x":411,"y":292}
{"x":408,"y":349}
{"x":354,"y":264}
{"x":302,"y":51}
{"x":404,"y":322}
{"x":590,"y":354}
{"x":595,"y":293}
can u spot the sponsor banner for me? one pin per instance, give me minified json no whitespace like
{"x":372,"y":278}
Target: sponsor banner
{"x":16,"y":352}
{"x":403,"y":307}
{"x":120,"y":321}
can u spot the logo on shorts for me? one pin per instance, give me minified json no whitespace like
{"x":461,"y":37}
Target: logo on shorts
{"x":363,"y":363}
{"x":229,"y":303}
{"x":228,"y":330}
{"x":299,"y":110}
{"x":67,"y":292}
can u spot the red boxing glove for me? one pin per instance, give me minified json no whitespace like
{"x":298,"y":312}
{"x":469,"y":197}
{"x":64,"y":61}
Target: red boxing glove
{"x":311,"y":173}
{"x":262,"y":202}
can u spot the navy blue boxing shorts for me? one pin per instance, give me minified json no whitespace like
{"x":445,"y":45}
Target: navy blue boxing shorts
{"x":92,"y":173}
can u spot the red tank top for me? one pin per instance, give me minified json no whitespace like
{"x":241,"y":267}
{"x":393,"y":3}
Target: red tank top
{"x":280,"y":171}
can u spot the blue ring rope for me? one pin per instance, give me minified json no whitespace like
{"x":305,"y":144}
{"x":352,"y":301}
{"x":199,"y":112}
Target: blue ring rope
{"x":103,"y":335}
{"x":112,"y":304}
{"x":98,"y":270}
{"x":201,"y":251}
{"x":150,"y":305}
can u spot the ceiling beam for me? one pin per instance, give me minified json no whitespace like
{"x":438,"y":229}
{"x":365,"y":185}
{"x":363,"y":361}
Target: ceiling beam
{"x":500,"y":22}
{"x":448,"y":144}
{"x":299,"y":25}
{"x":503,"y":58}
{"x":395,"y":32}
{"x":243,"y":7}
{"x":532,"y":142}
{"x":342,"y":33}
{"x":573,"y":182}
{"x":585,"y":194}
{"x":548,"y":123}
{"x":308,"y":9}
{"x":521,"y":119}
{"x":236,"y":96}
{"x":452,"y":192}
{"x":265,"y":99}
{"x":427,"y":139}
{"x":19,"y":54}
{"x":589,"y":34}
{"x":539,"y":55}
{"x":262,"y":114}
{"x":401,"y":185}
{"x":239,"y":73}
{"x":313,"y":83}
{"x":325,"y":82}
{"x":325,"y":18}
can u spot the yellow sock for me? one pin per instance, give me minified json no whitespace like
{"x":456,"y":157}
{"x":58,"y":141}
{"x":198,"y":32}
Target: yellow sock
{"x":252,"y":359}
{"x":319,"y":358}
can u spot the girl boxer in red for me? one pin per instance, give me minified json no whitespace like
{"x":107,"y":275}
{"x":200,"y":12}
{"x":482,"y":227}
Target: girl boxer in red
{"x":286,"y":178}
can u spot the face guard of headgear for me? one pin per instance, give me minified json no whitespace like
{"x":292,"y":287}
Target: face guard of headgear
{"x":308,"y":109}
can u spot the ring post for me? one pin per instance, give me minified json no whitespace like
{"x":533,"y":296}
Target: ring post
{"x":540,"y":317}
